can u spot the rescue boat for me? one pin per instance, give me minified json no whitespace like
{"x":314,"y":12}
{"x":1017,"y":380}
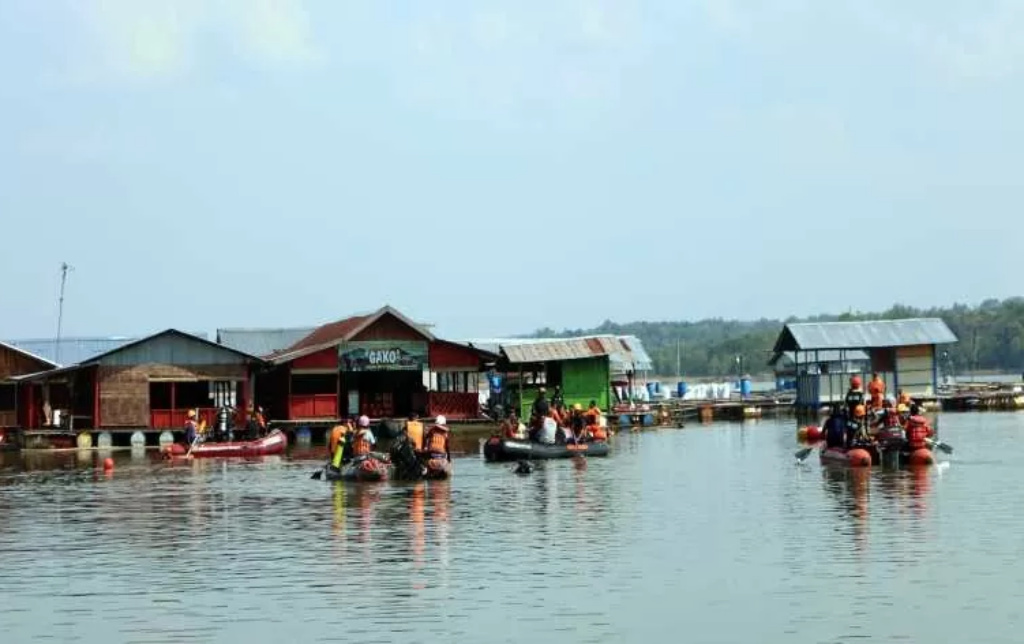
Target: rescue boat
{"x":869,"y":455}
{"x":273,"y":443}
{"x":498,"y":449}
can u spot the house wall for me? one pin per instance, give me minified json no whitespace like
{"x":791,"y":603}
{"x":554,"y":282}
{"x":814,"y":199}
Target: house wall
{"x":452,"y":357}
{"x":325,"y":360}
{"x":586,"y":380}
{"x":15,"y":363}
{"x":124,"y":389}
{"x":915,"y":370}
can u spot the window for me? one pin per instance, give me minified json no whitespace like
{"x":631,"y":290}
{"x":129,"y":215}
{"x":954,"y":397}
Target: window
{"x":457,"y":381}
{"x":8,"y":397}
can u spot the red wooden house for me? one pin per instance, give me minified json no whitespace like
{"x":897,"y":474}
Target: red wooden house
{"x":382,"y":365}
{"x":16,"y":362}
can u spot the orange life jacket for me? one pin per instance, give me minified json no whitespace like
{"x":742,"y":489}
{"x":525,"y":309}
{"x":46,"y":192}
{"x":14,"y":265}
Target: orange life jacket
{"x":437,"y":440}
{"x":597,"y":432}
{"x":360,"y":446}
{"x":892,"y":419}
{"x":917,"y":431}
{"x":336,"y":433}
{"x":414,"y":430}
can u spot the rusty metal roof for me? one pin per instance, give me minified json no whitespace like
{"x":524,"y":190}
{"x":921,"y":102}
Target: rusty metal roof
{"x":872,"y":334}
{"x":555,"y":350}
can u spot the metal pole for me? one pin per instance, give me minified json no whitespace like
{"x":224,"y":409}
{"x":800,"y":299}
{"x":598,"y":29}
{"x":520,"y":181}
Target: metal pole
{"x":64,"y":268}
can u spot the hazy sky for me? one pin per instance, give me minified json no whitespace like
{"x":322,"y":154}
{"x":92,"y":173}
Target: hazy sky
{"x":497,"y":166}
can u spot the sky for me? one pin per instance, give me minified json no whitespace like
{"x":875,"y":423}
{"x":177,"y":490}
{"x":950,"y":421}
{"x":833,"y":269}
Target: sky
{"x":493,"y":167}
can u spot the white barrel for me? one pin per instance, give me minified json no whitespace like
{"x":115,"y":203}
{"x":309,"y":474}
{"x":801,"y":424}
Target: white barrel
{"x":104,"y":440}
{"x":166,"y":438}
{"x":84,"y":440}
{"x":138,"y":439}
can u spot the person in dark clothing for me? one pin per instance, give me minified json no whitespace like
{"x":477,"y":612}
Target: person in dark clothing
{"x":855,"y":396}
{"x":835,"y":428}
{"x":557,"y":400}
{"x":541,"y":406}
{"x":855,"y":426}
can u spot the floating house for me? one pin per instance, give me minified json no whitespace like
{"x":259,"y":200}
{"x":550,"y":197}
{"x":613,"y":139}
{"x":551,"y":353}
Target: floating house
{"x":382,"y":365}
{"x":822,"y":363}
{"x":14,"y":362}
{"x":902,"y":352}
{"x":147,"y":383}
{"x":586,"y":368}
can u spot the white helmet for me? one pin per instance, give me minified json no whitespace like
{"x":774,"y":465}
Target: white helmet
{"x":441,"y":420}
{"x":364,"y":421}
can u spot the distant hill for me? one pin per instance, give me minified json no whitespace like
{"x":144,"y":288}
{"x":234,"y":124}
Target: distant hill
{"x":991,"y":338}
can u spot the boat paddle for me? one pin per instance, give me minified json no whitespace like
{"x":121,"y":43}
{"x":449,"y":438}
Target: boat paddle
{"x":195,"y":441}
{"x":802,"y":455}
{"x":935,"y":442}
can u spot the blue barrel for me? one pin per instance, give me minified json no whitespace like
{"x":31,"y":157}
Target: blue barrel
{"x":681,"y":389}
{"x":648,"y":420}
{"x":657,"y":386}
{"x":625,"y":420}
{"x":652,"y":389}
{"x":746,"y":387}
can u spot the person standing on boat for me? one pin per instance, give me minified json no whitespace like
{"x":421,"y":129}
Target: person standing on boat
{"x":190,"y":427}
{"x":854,"y":396}
{"x":917,"y":429}
{"x":557,"y":400}
{"x":876,"y":389}
{"x":541,"y":409}
{"x":363,"y":440}
{"x":436,"y":440}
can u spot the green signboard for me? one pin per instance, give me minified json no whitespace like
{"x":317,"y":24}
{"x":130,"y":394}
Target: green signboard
{"x":383,"y":355}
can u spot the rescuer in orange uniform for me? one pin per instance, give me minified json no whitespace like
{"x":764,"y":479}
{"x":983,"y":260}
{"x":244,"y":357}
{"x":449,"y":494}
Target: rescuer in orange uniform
{"x":876,"y":389}
{"x":436,"y":440}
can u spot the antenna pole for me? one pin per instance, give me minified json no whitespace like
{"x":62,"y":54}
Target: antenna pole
{"x":64,"y":268}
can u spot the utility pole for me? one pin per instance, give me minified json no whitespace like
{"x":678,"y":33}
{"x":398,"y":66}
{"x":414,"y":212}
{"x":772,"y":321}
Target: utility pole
{"x":64,"y":268}
{"x":679,"y":360}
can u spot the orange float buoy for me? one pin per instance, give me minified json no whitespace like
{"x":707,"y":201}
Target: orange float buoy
{"x":108,"y":464}
{"x":813,"y":433}
{"x":859,"y":458}
{"x":921,"y":456}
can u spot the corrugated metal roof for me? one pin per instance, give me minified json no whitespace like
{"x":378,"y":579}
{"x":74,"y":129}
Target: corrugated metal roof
{"x":828,"y":355}
{"x":28,"y":354}
{"x":864,"y":335}
{"x":625,"y":352}
{"x":262,"y":342}
{"x":631,"y":354}
{"x":72,"y":350}
{"x":555,"y":350}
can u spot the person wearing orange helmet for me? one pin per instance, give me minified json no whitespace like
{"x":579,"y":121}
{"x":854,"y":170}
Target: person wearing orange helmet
{"x":876,"y":389}
{"x":854,"y":396}
{"x":856,"y":425}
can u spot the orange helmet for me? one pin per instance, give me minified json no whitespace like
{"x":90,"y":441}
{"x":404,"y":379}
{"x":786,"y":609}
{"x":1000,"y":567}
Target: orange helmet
{"x":855,"y":382}
{"x":859,"y":411}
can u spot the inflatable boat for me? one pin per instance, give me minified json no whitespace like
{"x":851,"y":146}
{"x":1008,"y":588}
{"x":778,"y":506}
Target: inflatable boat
{"x":508,"y":449}
{"x":273,"y":443}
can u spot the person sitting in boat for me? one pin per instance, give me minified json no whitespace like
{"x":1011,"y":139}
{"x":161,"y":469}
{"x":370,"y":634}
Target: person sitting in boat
{"x":547,"y":433}
{"x":363,"y":439}
{"x":593,"y":410}
{"x":917,"y":430}
{"x":511,"y":428}
{"x":856,"y":429}
{"x":190,"y":427}
{"x":903,"y":411}
{"x":888,"y":426}
{"x":835,"y":428}
{"x":336,"y":437}
{"x":593,"y":430}
{"x":436,"y":441}
{"x":876,"y":389}
{"x":577,"y":423}
{"x":854,"y":396}
{"x":903,"y":398}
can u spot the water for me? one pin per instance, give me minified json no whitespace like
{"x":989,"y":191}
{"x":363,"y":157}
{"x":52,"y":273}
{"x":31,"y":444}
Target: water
{"x":709,"y":534}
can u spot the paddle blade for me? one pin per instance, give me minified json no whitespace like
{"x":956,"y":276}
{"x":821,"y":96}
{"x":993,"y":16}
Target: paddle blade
{"x":804,"y":453}
{"x":317,"y":474}
{"x":944,"y":447}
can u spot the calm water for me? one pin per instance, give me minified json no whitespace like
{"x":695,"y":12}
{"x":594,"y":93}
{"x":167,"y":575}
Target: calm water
{"x":709,"y":534}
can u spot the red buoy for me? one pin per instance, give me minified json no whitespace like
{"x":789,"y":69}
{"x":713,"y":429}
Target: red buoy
{"x":859,"y":457}
{"x":813,"y":433}
{"x":108,"y":464}
{"x":921,"y":456}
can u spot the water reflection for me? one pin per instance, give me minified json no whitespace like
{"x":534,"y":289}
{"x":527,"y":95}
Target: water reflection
{"x":579,"y":551}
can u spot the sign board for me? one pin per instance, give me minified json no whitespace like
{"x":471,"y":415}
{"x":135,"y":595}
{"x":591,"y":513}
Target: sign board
{"x":383,"y":355}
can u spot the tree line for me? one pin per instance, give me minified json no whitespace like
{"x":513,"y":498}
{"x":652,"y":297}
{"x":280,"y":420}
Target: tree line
{"x":991,"y":337}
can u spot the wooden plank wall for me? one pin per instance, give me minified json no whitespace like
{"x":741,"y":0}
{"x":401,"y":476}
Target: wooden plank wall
{"x":124,"y":391}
